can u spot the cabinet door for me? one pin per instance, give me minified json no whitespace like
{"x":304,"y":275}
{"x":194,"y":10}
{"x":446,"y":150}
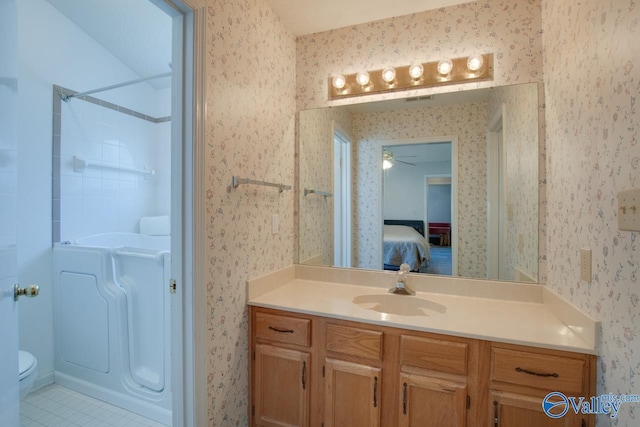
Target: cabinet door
{"x":352,"y":394}
{"x":516,"y":410}
{"x":431,"y":402}
{"x":281,"y":387}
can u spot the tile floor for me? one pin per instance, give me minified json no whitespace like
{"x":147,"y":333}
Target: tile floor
{"x":57,"y":406}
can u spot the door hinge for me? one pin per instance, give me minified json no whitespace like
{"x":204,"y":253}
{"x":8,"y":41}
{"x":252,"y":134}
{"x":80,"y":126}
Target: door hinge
{"x":322,"y":371}
{"x":468,"y":401}
{"x":253,"y":411}
{"x":173,"y":286}
{"x":253,"y":355}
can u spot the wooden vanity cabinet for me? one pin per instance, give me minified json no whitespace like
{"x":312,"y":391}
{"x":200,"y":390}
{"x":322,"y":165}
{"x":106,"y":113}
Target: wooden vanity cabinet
{"x":280,"y":393}
{"x":320,"y":372}
{"x":280,"y":374}
{"x":352,"y":375}
{"x":352,"y":393}
{"x":520,"y":377}
{"x":437,"y":382}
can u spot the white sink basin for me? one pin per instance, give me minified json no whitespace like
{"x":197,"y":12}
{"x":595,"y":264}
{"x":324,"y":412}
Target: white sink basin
{"x":404,"y":305}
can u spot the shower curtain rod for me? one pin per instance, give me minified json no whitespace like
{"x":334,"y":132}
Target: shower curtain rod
{"x":67,"y":98}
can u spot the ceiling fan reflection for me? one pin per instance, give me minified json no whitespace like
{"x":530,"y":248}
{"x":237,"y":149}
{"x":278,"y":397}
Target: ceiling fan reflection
{"x":388,"y":160}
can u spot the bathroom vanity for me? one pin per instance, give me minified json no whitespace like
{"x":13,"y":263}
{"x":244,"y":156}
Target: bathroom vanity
{"x":328,"y":350}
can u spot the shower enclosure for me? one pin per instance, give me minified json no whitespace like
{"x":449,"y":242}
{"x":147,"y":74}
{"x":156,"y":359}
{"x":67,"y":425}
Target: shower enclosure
{"x":111,"y":254}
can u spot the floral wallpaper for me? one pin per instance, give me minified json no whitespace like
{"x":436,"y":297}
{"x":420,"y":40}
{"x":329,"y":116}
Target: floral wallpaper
{"x":511,"y":30}
{"x":315,"y":154}
{"x":591,"y":76}
{"x":468,"y":123}
{"x":521,"y":151}
{"x":591,"y":133}
{"x":592,"y":82}
{"x":250,"y":125}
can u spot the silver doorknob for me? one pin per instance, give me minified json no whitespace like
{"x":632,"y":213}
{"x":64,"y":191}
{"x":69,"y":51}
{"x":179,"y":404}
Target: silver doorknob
{"x":30,"y":291}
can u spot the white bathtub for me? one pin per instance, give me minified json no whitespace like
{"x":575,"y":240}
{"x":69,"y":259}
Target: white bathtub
{"x":111,"y":320}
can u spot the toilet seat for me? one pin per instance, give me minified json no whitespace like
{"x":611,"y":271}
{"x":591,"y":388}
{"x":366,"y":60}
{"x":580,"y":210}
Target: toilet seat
{"x":26,"y":363}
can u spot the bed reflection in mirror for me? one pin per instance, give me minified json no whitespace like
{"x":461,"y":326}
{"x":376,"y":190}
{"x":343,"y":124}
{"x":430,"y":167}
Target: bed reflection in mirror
{"x":461,"y":167}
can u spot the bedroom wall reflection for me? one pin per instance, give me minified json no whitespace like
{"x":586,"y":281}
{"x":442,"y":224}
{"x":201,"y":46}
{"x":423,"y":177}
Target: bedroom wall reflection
{"x":506,"y":249}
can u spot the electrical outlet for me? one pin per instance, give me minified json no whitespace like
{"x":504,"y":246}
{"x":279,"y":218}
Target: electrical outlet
{"x":275,"y":224}
{"x":521,"y":243}
{"x":629,"y":210}
{"x":585,"y":265}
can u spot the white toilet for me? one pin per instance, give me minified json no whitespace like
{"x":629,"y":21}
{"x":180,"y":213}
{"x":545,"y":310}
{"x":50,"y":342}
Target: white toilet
{"x":28,"y":369}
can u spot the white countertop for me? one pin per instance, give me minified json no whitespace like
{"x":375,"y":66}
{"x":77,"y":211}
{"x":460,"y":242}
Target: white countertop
{"x":524,"y":321}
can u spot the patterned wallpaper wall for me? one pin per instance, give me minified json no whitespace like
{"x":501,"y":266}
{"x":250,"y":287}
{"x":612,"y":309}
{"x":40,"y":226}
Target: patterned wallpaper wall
{"x":520,"y":136}
{"x":250,"y":132}
{"x":468,"y":122}
{"x":592,"y":140}
{"x":509,"y":29}
{"x":316,"y":166}
{"x":592,"y":82}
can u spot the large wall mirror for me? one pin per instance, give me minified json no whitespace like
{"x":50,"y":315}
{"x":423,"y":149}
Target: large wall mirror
{"x":448,"y":183}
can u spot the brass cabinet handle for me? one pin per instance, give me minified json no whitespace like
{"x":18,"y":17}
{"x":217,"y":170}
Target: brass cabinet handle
{"x":519,"y":369}
{"x":375,"y":392}
{"x":284,"y":331}
{"x":404,"y":398}
{"x":304,"y":370}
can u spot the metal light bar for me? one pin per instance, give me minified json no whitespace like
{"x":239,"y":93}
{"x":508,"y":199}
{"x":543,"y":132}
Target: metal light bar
{"x":236,"y":182}
{"x":66,"y":98}
{"x":79,"y":165}
{"x":403,"y":81}
{"x":318,"y":192}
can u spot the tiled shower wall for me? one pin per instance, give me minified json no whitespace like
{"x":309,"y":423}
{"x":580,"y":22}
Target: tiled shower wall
{"x":101,"y":200}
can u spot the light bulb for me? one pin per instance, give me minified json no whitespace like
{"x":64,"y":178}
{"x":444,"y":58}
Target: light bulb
{"x":389,"y":75}
{"x":445,"y":66}
{"x":386,"y":164}
{"x":338,"y":81}
{"x":416,"y":71}
{"x":362,"y":78}
{"x":474,"y":62}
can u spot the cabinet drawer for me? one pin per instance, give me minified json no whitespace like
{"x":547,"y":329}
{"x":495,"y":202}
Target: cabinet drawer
{"x":550,"y":373}
{"x":284,"y":329}
{"x":435,"y":355}
{"x":354,"y":341}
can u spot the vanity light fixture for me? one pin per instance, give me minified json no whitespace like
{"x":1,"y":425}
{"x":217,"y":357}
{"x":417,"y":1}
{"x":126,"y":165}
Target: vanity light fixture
{"x":474,"y":63}
{"x":338,"y":81}
{"x":445,"y":66}
{"x":362,"y":78}
{"x":473,"y":68}
{"x":389,"y":74}
{"x":416,"y":71}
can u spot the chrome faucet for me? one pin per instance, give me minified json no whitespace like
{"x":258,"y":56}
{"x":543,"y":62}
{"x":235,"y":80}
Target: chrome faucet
{"x":401,"y":287}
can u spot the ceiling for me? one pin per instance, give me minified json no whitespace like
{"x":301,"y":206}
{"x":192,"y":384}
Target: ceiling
{"x":312,"y":16}
{"x":136,"y":32}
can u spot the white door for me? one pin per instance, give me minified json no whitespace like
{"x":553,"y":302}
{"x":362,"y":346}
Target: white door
{"x":496,"y":206}
{"x":341,"y":199}
{"x":9,"y":388}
